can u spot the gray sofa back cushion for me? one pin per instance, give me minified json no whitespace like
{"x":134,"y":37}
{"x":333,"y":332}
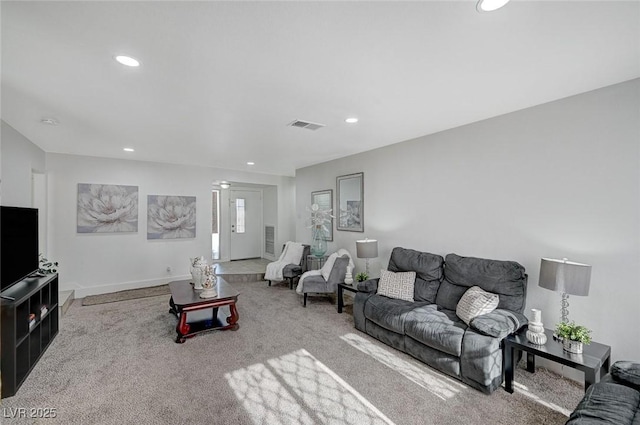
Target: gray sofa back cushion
{"x":505,"y":278}
{"x":338,"y":271}
{"x":428,"y":268}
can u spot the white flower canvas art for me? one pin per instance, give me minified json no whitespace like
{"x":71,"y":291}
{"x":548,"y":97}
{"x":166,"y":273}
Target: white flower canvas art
{"x":107,"y":208}
{"x":171,"y":217}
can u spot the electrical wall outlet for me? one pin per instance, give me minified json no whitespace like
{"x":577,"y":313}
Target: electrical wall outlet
{"x":168,"y":269}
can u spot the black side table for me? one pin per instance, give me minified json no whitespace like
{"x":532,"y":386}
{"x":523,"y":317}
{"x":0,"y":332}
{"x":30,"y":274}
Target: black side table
{"x":341,"y":288}
{"x":594,"y":361}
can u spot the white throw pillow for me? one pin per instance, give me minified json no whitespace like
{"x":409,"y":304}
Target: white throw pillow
{"x":397,"y":285}
{"x":476,"y":302}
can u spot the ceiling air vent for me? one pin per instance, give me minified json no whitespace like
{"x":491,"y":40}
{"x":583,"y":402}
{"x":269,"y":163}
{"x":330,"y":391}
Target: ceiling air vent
{"x":306,"y":124}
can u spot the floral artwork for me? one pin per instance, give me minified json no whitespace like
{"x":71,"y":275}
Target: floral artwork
{"x":105,"y":208}
{"x":171,"y":217}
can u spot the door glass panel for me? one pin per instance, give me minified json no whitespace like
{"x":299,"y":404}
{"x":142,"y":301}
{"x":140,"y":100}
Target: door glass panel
{"x":240,"y":215}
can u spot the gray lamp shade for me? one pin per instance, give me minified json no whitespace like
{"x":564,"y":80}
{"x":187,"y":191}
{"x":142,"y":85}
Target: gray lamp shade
{"x":565,"y":276}
{"x":367,"y":248}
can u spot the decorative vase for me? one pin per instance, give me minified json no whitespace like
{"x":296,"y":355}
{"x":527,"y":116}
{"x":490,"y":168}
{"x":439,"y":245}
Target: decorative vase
{"x":319,"y":243}
{"x":209,"y":285}
{"x":574,"y":347}
{"x":348,"y":277}
{"x":197,"y":271}
{"x":535,"y":330}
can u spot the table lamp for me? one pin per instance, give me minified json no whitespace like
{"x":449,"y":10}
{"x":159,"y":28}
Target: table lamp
{"x":566,"y":277}
{"x":366,"y":249}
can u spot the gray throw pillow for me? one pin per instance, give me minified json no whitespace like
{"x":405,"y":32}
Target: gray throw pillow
{"x":627,"y":373}
{"x":499,"y":323}
{"x":475,"y":302}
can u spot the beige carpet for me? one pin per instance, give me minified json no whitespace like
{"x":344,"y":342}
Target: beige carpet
{"x":131,"y":294}
{"x":117,"y":363}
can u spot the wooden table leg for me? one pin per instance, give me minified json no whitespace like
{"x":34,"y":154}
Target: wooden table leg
{"x":531,"y":363}
{"x":233,"y":319}
{"x":182,"y":328}
{"x":508,"y":368}
{"x":340,"y":298}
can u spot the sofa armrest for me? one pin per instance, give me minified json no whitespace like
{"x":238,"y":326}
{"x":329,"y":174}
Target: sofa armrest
{"x":499,"y":323}
{"x":626,"y":373}
{"x":370,"y":285}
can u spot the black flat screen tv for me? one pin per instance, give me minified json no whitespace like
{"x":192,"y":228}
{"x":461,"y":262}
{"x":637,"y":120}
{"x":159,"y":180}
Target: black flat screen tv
{"x":19,"y":255}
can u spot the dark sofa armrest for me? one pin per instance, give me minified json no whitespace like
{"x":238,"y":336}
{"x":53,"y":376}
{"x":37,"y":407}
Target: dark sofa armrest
{"x":626,"y":373}
{"x":370,"y":286}
{"x":499,"y":323}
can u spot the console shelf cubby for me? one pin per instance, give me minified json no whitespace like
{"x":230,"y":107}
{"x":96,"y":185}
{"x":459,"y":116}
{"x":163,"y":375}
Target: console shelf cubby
{"x":23,"y":344}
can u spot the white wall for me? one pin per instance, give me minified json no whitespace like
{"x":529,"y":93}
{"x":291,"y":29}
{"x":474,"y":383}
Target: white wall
{"x":20,"y":157}
{"x":557,"y":180}
{"x":99,"y":263}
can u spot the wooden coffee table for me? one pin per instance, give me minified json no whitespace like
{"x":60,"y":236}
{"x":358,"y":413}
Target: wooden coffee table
{"x":185,"y":299}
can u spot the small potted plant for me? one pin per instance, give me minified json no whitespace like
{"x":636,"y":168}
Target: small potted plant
{"x":573,"y":336}
{"x":362,"y":276}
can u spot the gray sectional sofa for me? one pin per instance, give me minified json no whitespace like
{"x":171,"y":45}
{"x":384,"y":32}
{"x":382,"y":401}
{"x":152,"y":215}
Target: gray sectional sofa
{"x":615,"y":400}
{"x":429,"y":329}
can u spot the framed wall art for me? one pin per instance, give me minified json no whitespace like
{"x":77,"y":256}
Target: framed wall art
{"x":350,"y":202}
{"x":107,"y":208}
{"x":324,"y":200}
{"x":171,"y":217}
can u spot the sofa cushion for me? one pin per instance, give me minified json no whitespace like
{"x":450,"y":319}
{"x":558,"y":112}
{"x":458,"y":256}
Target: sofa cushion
{"x":505,"y":278}
{"x":607,"y":403}
{"x":428,"y":267}
{"x":475,"y":302}
{"x":390,"y":313}
{"x":499,"y":323}
{"x":627,"y":373}
{"x":437,"y":328}
{"x":397,"y":285}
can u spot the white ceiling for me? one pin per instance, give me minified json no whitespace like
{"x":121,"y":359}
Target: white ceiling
{"x":220,"y":81}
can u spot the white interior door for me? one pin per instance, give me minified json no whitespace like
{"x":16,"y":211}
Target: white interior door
{"x":246,"y":224}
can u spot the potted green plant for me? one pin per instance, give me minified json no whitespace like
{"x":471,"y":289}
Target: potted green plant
{"x":362,"y":276}
{"x":573,"y":336}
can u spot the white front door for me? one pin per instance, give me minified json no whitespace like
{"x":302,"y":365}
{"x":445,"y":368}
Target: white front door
{"x":246,"y":224}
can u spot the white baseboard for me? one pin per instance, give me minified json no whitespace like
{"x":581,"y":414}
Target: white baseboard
{"x":83,"y":291}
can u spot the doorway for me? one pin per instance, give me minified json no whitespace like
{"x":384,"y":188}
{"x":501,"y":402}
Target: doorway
{"x":245,"y":214}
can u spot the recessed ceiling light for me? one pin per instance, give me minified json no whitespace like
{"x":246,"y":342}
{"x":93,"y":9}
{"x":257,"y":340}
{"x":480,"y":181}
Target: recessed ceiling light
{"x":127,"y":60}
{"x":49,"y":121}
{"x":128,"y":149}
{"x":490,"y":5}
{"x":251,"y":163}
{"x":351,"y":120}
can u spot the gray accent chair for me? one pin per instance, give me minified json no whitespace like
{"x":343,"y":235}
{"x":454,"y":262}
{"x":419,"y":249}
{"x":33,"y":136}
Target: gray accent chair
{"x":615,"y":400}
{"x":293,"y":271}
{"x":429,"y":329}
{"x":316,"y":284}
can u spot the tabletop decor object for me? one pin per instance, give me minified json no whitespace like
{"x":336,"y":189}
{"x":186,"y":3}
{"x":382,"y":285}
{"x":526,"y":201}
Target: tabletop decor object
{"x":348,"y":278}
{"x":573,"y":336}
{"x":566,"y":277}
{"x":535,"y":331}
{"x":319,"y":219}
{"x":197,"y":271}
{"x":209,"y":283}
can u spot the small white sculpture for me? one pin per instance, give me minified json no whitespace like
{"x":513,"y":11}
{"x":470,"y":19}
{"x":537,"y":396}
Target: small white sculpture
{"x":209,"y":285}
{"x":535,"y":331}
{"x":348,"y":278}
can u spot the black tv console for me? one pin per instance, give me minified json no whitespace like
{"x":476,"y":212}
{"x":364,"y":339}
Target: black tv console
{"x":23,"y":343}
